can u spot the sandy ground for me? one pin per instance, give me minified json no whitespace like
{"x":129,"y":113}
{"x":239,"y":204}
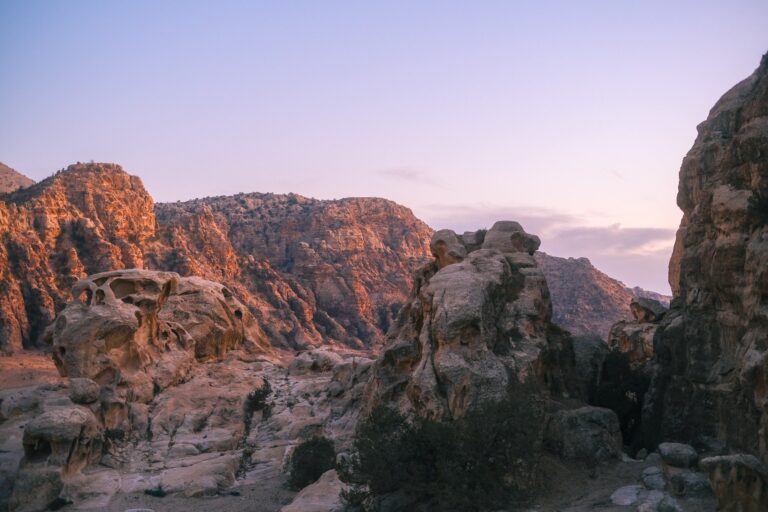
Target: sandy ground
{"x":269,"y":495}
{"x":27,"y":369}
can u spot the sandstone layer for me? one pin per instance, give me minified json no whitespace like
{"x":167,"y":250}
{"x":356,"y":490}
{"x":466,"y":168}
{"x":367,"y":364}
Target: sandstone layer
{"x":711,"y":346}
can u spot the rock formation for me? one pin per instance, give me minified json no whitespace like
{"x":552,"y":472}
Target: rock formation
{"x":11,"y":179}
{"x":161,"y":374}
{"x":310,"y":271}
{"x":586,"y":301}
{"x":478,"y":320}
{"x":635,"y":338}
{"x":711,"y":346}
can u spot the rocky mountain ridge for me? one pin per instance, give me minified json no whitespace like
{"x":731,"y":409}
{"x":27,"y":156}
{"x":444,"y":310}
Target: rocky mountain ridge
{"x":585,"y":300}
{"x":311,"y":271}
{"x":11,"y":179}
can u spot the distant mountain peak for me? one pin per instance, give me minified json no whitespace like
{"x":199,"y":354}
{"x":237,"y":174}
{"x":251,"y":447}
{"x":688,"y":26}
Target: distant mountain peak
{"x":11,"y":179}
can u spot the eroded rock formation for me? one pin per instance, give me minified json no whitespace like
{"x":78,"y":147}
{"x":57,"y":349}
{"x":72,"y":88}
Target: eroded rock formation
{"x":478,"y":320}
{"x":711,"y":346}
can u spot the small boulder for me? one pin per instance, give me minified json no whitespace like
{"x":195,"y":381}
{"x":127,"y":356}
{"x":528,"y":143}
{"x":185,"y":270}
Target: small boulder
{"x":647,"y":310}
{"x":678,"y":455}
{"x":653,"y":478}
{"x":627,"y":495}
{"x":690,"y":484}
{"x":590,"y":434}
{"x":83,"y":391}
{"x":321,"y":496}
{"x":314,"y":361}
{"x":447,"y":248}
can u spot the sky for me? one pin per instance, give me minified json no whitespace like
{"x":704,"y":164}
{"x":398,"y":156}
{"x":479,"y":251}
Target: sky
{"x":570,"y":117}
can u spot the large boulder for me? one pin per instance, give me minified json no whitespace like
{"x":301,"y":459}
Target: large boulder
{"x":589,"y":434}
{"x":472,"y":328}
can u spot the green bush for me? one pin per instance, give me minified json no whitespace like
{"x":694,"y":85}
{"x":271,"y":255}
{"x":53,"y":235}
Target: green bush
{"x":309,"y":461}
{"x":483,"y":461}
{"x":257,"y":399}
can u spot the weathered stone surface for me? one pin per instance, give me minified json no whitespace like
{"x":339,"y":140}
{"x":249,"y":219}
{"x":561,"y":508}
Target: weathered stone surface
{"x":472,"y":328}
{"x":678,"y":455}
{"x":590,"y":434}
{"x":321,"y":496}
{"x":590,"y":352}
{"x":136,"y":332}
{"x":739,"y":481}
{"x":710,"y":346}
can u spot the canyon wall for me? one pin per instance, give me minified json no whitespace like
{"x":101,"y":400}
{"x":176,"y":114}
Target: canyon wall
{"x":712,"y":347}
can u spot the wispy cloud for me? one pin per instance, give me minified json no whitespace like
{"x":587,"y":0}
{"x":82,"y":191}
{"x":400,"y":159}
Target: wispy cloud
{"x":410,"y":175}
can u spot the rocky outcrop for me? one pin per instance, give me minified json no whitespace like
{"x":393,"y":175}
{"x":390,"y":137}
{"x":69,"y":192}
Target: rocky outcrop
{"x":586,"y":301}
{"x":635,"y":338}
{"x":739,"y":481}
{"x":478,"y":321}
{"x":309,"y":271}
{"x":713,"y":360}
{"x":170,"y":387}
{"x":11,"y":179}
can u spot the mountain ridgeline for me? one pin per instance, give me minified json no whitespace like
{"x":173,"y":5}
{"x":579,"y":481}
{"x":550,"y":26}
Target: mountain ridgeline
{"x":312,"y":272}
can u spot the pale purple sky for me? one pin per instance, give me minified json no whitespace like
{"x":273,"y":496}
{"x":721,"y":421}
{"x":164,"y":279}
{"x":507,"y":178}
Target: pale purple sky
{"x":572,"y":117}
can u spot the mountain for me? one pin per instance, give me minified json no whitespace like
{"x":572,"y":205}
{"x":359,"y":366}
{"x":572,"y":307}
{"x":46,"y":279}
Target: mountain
{"x":586,"y":301}
{"x":310,"y":271}
{"x":11,"y":179}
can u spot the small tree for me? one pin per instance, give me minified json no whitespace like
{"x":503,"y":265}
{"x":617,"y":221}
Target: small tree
{"x":482,"y":461}
{"x":309,"y":461}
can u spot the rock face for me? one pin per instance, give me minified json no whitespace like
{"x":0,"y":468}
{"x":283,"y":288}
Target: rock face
{"x":11,"y":179}
{"x":309,"y":271}
{"x":586,"y":301}
{"x":711,"y":345}
{"x":478,"y":320}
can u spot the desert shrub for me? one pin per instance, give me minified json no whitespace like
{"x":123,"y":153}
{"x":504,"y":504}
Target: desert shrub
{"x":257,"y":399}
{"x":483,"y":461}
{"x":309,"y":461}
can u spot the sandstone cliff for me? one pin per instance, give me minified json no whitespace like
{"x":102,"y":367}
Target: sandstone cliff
{"x":310,"y":271}
{"x":712,"y":344}
{"x":11,"y":179}
{"x":586,"y":301}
